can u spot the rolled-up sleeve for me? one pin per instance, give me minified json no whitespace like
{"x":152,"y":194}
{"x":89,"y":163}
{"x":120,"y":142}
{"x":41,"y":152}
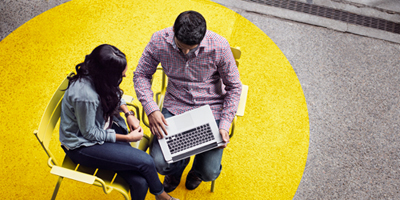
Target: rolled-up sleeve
{"x":88,"y":126}
{"x":123,"y":102}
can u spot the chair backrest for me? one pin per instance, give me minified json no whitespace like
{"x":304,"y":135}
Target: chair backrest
{"x":236,"y":54}
{"x":51,"y":116}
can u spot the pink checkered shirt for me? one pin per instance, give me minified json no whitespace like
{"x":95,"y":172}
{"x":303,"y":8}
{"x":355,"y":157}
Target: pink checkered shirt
{"x":194,"y":80}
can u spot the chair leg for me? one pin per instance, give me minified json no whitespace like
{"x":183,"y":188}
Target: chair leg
{"x":57,"y":187}
{"x":212,"y":186}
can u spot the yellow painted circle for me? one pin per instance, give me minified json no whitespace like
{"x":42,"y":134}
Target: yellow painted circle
{"x":267,"y":155}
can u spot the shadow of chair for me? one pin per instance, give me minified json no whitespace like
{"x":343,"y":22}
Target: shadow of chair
{"x":108,"y":180}
{"x":159,"y":96}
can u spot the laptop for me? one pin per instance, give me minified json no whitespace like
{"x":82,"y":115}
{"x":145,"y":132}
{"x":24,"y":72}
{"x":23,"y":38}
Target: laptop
{"x":190,"y":133}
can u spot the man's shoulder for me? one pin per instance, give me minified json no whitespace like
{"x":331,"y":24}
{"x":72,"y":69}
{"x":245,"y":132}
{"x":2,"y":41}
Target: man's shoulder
{"x":215,"y":41}
{"x":162,"y":38}
{"x":163,"y":33}
{"x":214,"y":35}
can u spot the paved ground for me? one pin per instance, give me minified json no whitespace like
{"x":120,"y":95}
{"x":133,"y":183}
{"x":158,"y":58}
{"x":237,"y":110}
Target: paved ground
{"x":351,"y":84}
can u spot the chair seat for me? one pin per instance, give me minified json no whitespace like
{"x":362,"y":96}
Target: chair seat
{"x":107,"y":176}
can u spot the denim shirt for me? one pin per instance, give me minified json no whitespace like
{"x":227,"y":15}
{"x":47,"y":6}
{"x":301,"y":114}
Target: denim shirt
{"x":82,"y":122}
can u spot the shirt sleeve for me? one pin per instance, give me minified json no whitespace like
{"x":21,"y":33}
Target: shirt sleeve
{"x":147,"y":66}
{"x":122,"y":102}
{"x":230,"y":77}
{"x":86,"y":118}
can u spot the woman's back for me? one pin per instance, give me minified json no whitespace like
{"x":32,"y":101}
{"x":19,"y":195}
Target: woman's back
{"x":82,"y":119}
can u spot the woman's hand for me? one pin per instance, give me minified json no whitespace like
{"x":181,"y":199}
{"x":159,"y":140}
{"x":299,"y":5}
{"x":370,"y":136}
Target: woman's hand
{"x":135,"y":135}
{"x":133,"y":122}
{"x":132,"y":136}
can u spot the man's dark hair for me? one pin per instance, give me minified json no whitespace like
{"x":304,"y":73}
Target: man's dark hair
{"x":190,"y":27}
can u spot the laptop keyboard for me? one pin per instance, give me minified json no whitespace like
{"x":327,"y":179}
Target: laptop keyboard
{"x":187,"y":139}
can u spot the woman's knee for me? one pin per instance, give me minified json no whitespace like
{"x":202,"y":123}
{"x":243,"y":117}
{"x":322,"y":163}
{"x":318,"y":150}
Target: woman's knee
{"x":148,"y":161}
{"x":138,"y":186}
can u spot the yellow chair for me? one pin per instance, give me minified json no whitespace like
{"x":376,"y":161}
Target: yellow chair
{"x":240,"y":112}
{"x":108,"y":180}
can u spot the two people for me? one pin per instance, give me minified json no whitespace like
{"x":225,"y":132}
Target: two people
{"x":201,"y":70}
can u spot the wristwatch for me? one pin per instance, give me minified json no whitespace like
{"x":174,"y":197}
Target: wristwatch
{"x":129,"y":113}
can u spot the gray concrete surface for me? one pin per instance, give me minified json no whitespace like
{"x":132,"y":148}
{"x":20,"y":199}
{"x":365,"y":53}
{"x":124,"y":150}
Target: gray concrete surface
{"x":351,"y":84}
{"x":343,"y":5}
{"x":388,"y":5}
{"x":14,"y":13}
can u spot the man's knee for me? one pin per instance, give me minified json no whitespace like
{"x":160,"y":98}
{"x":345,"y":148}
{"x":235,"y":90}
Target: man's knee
{"x":161,"y":166}
{"x":159,"y":162}
{"x":210,"y":174}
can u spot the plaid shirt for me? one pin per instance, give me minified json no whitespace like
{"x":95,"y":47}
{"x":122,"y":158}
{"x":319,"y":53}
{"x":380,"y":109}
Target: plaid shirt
{"x":194,"y":79}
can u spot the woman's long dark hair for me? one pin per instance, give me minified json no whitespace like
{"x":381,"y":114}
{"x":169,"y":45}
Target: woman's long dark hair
{"x":104,"y":66}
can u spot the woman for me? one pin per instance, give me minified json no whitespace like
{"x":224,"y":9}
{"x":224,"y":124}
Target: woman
{"x":93,"y":133}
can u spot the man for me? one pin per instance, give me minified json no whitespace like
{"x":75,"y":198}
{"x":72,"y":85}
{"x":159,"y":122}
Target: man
{"x":195,"y":61}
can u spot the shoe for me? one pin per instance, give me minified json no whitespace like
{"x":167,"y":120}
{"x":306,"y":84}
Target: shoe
{"x":170,"y":198}
{"x":171,"y":182}
{"x":192,"y":181}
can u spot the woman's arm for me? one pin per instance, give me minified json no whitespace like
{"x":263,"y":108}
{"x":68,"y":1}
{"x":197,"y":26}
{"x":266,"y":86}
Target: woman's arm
{"x":132,"y":121}
{"x":85,"y":113}
{"x":136,"y":133}
{"x":133,"y":136}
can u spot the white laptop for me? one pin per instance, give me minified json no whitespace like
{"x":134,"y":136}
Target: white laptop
{"x":190,"y":133}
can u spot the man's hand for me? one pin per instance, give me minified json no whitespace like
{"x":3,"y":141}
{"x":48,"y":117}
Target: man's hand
{"x":157,"y":124}
{"x":133,"y":122}
{"x":225,"y":137}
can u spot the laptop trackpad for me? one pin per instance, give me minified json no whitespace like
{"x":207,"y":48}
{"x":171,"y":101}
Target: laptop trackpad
{"x":183,"y":122}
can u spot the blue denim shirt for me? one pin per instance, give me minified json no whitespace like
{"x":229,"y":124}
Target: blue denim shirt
{"x":82,"y":122}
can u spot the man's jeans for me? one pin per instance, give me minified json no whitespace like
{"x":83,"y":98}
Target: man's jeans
{"x":206,"y":166}
{"x":134,"y":165}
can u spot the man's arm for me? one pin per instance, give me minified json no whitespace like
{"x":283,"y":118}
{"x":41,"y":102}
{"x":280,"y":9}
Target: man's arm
{"x":142,"y":82}
{"x":230,"y":77}
{"x":147,"y":66}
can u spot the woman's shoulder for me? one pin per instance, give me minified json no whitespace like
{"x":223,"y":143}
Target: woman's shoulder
{"x":82,"y":90}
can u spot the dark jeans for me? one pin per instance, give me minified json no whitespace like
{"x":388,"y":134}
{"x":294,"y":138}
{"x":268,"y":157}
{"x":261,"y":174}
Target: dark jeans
{"x":206,"y":166}
{"x":135,"y":166}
